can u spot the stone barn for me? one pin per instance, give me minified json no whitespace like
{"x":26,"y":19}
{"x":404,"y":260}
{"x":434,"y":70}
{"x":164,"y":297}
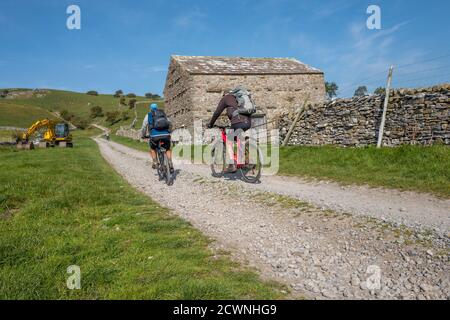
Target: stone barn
{"x":195,"y":85}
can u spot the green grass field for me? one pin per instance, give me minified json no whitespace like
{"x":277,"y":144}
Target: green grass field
{"x":415,"y":168}
{"x":63,"y":207}
{"x":142,"y":146}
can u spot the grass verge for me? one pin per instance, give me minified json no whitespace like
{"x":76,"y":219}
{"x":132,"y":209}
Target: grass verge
{"x":6,"y":135}
{"x":63,"y":207}
{"x":416,"y":168}
{"x":141,"y":146}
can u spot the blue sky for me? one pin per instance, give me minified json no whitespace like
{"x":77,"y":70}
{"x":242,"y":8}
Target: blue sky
{"x":127,"y":44}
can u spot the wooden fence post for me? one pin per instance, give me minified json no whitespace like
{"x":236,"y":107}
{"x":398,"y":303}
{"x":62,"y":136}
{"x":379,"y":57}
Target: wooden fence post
{"x":297,"y":117}
{"x":386,"y":101}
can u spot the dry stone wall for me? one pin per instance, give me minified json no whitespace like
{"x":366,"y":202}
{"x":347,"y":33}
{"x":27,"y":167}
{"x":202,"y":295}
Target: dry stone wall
{"x":414,"y":116}
{"x":23,"y":93}
{"x":129,"y":133}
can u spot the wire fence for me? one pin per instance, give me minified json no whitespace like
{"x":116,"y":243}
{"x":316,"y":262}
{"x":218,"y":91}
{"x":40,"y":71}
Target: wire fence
{"x":422,"y":73}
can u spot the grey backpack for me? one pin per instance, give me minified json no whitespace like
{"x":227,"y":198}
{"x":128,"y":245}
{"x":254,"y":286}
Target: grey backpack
{"x":246,"y":106}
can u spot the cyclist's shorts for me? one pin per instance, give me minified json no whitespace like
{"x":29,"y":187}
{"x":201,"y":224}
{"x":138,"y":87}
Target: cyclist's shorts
{"x":244,"y":126}
{"x":165,"y":140}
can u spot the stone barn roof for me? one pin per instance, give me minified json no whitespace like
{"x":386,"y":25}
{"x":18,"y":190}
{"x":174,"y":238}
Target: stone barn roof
{"x":243,"y":66}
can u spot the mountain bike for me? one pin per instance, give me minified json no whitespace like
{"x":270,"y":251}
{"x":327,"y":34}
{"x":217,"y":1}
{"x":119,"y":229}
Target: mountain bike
{"x":163,"y":164}
{"x":250,"y":172}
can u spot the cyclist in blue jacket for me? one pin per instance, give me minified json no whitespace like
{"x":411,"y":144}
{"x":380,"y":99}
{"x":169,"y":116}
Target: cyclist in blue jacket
{"x":158,"y":126}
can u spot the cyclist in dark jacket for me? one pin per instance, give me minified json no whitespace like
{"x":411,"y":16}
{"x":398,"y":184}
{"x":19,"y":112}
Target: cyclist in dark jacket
{"x":238,"y":121}
{"x":230,"y":104}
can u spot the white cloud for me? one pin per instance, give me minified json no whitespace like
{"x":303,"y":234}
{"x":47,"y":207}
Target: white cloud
{"x":362,"y":56}
{"x":154,"y":69}
{"x":309,"y":46}
{"x":368,"y":58}
{"x":189,"y":19}
{"x":330,"y":8}
{"x":364,"y":40}
{"x":142,"y":69}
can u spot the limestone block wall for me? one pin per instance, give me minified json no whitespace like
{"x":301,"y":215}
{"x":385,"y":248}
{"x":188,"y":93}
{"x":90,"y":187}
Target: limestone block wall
{"x":414,"y":116}
{"x":190,"y":97}
{"x":273,"y":94}
{"x":178,"y":97}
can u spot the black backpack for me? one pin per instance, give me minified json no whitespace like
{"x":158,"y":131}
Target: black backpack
{"x":160,"y":121}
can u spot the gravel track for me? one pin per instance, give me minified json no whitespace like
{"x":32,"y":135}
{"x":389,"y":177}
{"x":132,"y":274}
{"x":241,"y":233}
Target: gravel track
{"x":318,"y":252}
{"x":415,"y":210}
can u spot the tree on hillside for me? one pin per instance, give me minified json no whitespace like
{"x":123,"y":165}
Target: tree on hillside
{"x":331,"y":89}
{"x":96,"y":112}
{"x":361,"y":91}
{"x":92,"y":93}
{"x":4,"y":93}
{"x":150,"y":95}
{"x":123,"y":101}
{"x":380,"y":91}
{"x":80,"y":123}
{"x":112,"y":117}
{"x":131,"y":95}
{"x":118,"y":94}
{"x":124,"y":116}
{"x":132,"y":103}
{"x":66,"y":115}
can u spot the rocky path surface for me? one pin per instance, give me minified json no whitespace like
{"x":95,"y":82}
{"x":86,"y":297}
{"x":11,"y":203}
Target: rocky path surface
{"x":419,"y":211}
{"x":318,"y":252}
{"x":104,"y":129}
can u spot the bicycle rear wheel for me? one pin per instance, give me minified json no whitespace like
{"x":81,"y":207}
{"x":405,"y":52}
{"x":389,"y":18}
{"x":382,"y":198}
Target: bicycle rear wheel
{"x":160,"y":168}
{"x":218,"y":160}
{"x":251,"y":171}
{"x":168,"y":175}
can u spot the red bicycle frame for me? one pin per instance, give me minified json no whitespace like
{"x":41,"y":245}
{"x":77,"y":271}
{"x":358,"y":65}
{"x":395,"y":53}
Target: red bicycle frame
{"x":224,"y":137}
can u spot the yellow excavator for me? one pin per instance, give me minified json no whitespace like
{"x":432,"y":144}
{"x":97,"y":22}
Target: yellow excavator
{"x":57,"y":134}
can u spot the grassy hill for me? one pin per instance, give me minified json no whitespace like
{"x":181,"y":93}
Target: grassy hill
{"x":23,"y":111}
{"x":21,"y":116}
